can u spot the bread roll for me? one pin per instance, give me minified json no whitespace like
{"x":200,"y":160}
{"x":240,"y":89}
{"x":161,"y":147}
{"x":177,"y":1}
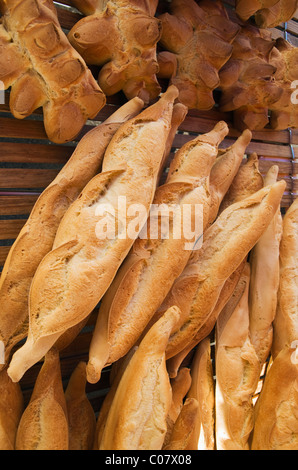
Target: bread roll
{"x":44,"y":425}
{"x":264,"y":281}
{"x":128,"y":62}
{"x":11,"y":409}
{"x":86,"y":254}
{"x":237,"y":374}
{"x":157,"y":258}
{"x":267,"y":13}
{"x":285,"y":326}
{"x":43,"y":69}
{"x":276,"y":420}
{"x":226,"y":243}
{"x":196,"y":41}
{"x":81,"y":416}
{"x":203,"y":390}
{"x":137,"y":417}
{"x":37,"y":236}
{"x":183,"y":427}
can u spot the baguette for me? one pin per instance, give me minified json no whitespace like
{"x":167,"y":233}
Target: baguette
{"x":11,"y":410}
{"x":203,"y":390}
{"x":85,"y":257}
{"x":285,"y":326}
{"x":44,"y":425}
{"x":128,"y":62}
{"x":37,"y":236}
{"x":226,"y":243}
{"x":81,"y":417}
{"x":237,"y":374}
{"x":44,"y":70}
{"x":137,"y":417}
{"x":276,"y":417}
{"x":264,"y":262}
{"x":133,"y":297}
{"x":183,"y":427}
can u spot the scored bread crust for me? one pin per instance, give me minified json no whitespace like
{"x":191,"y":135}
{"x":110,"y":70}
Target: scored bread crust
{"x":43,"y":69}
{"x":82,"y":259}
{"x":226,"y":243}
{"x":44,"y":425}
{"x":137,"y":417}
{"x":133,"y":298}
{"x":38,"y":234}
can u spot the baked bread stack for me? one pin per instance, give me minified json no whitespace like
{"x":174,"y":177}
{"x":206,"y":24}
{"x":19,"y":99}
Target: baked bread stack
{"x":88,"y":250}
{"x":197,"y":40}
{"x":121,"y":37}
{"x":267,"y":13}
{"x":43,"y":69}
{"x":38,"y":234}
{"x":133,"y":298}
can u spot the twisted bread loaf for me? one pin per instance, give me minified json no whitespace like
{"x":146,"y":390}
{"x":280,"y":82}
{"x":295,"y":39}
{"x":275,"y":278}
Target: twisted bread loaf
{"x":38,"y":62}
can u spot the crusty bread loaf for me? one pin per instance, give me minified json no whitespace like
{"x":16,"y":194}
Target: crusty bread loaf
{"x":137,"y":417}
{"x":264,"y":281}
{"x":37,"y":236}
{"x":276,"y":417}
{"x":128,"y":60}
{"x":182,"y":430}
{"x":202,"y":389}
{"x":224,"y":172}
{"x":226,"y":243}
{"x":86,"y":254}
{"x":133,"y":296}
{"x":11,"y":409}
{"x":267,"y":13}
{"x":237,"y":374}
{"x":180,"y":386}
{"x":285,"y":326}
{"x":197,"y":41}
{"x":247,"y":181}
{"x":43,"y":69}
{"x":44,"y":425}
{"x":81,"y":416}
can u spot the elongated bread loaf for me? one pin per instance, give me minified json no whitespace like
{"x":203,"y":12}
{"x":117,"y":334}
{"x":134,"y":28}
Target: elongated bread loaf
{"x":224,"y":172}
{"x":158,"y":256}
{"x":226,"y":243}
{"x":181,"y":434}
{"x":42,"y":68}
{"x":285,"y":326}
{"x":137,"y":417}
{"x":37,"y":236}
{"x":95,"y":233}
{"x":237,"y":374}
{"x":44,"y":425}
{"x":203,"y":390}
{"x":81,"y":417}
{"x":276,"y":416}
{"x":11,"y":409}
{"x":264,"y":262}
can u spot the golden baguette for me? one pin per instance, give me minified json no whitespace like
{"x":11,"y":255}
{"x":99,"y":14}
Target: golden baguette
{"x":276,"y":417}
{"x":203,"y":390}
{"x":264,"y":281}
{"x":137,"y":417}
{"x":285,"y":326}
{"x":11,"y":409}
{"x":226,"y":243}
{"x":181,"y":434}
{"x":37,"y":236}
{"x":44,"y":425}
{"x":133,"y":297}
{"x":81,"y":416}
{"x":85,"y":258}
{"x":237,"y":374}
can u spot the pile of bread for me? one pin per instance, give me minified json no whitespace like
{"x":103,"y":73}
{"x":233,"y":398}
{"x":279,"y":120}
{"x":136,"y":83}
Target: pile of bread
{"x":158,"y":304}
{"x":195,"y":46}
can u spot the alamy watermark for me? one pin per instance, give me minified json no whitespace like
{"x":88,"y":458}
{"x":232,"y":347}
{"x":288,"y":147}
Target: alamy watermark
{"x":165,"y":221}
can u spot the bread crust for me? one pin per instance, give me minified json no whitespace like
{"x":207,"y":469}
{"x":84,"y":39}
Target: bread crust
{"x":11,"y":409}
